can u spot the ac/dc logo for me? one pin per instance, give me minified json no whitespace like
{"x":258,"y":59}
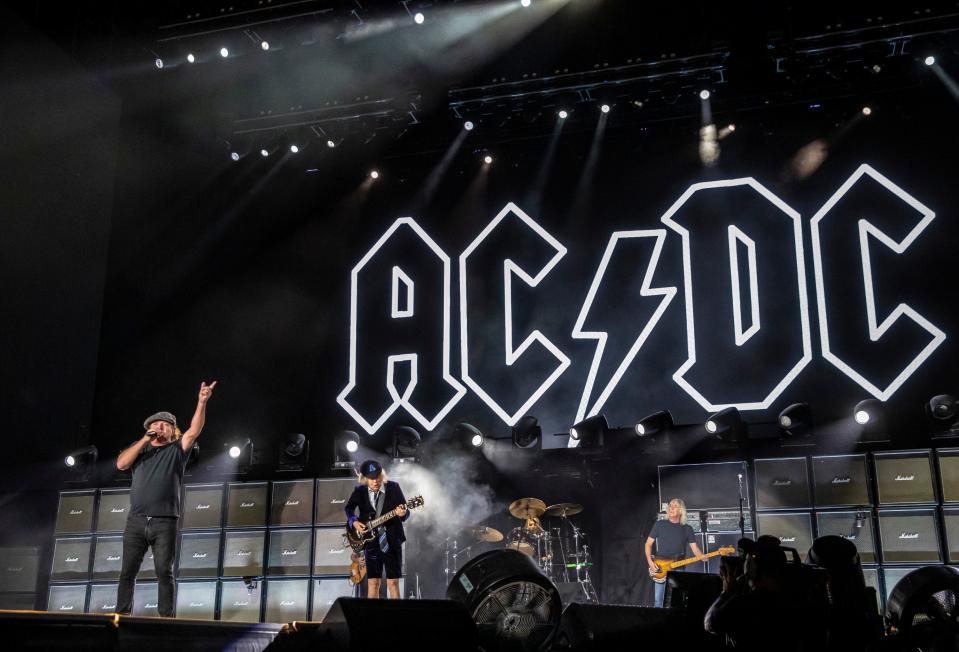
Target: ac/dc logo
{"x":743,"y":285}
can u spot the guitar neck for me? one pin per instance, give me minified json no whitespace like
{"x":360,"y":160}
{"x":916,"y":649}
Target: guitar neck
{"x":684,"y":562}
{"x":382,"y":519}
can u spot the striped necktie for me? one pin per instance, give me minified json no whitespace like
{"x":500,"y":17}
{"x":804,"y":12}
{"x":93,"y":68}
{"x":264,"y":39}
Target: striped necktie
{"x":381,"y":537}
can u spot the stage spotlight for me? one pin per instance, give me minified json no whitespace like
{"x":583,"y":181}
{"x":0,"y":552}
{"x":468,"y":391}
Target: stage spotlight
{"x":468,"y":434}
{"x":604,"y":108}
{"x":86,"y":456}
{"x":374,"y":174}
{"x":869,"y":415}
{"x":468,"y":125}
{"x":264,"y":45}
{"x":929,"y":61}
{"x":487,"y":159}
{"x":344,"y":446}
{"x":294,"y":452}
{"x":224,"y":53}
{"x":867,"y":411}
{"x":725,"y":425}
{"x":330,"y":144}
{"x":591,"y":432}
{"x":866,"y":110}
{"x":731,"y":127}
{"x":525,"y":3}
{"x":294,"y":149}
{"x":405,"y":442}
{"x":796,"y":420}
{"x":242,"y":452}
{"x":158,"y":62}
{"x":563,"y":114}
{"x":264,"y":153}
{"x":942,"y":411}
{"x":235,"y":156}
{"x":419,"y":18}
{"x":704,"y":95}
{"x":527,"y":432}
{"x":190,"y":58}
{"x":654,"y":424}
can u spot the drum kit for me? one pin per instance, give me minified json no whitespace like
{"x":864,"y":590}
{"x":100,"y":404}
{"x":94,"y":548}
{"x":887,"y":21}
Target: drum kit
{"x":560,"y":548}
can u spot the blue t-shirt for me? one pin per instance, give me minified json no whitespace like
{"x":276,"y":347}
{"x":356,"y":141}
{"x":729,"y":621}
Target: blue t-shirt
{"x":672,"y":539}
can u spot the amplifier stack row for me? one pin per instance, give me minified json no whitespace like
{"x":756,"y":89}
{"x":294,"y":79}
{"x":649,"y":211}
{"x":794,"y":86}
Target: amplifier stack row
{"x":288,"y":535}
{"x":900,"y":508}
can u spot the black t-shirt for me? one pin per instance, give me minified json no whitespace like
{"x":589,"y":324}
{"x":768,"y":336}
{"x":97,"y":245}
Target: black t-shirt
{"x":672,"y":539}
{"x":157,"y":476}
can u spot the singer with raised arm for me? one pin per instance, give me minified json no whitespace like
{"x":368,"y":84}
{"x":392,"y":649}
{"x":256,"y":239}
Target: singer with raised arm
{"x":671,"y":537}
{"x":158,"y":460}
{"x":373,"y":497}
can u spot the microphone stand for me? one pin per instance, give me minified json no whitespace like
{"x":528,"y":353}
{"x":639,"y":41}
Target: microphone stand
{"x":742,"y":516}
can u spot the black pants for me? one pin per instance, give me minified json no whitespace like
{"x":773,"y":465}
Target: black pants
{"x":142,"y":532}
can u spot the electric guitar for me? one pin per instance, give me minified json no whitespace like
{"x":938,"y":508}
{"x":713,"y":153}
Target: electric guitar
{"x":665,"y":565}
{"x":356,"y":541}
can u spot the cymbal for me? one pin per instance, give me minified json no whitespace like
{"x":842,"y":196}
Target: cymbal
{"x":525,"y":508}
{"x":488,"y":534}
{"x":563,"y":509}
{"x":522,"y":546}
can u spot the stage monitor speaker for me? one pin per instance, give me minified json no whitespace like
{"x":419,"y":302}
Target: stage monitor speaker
{"x":292,"y":503}
{"x":711,"y":486}
{"x":243,"y":553}
{"x":286,"y":600}
{"x":246,"y":504}
{"x":202,"y":506}
{"x":399,"y":624}
{"x":909,"y":536}
{"x":782,"y":483}
{"x":331,"y":497}
{"x":717,"y":540}
{"x":71,"y":560}
{"x":904,"y":477}
{"x":840,"y":481}
{"x":196,"y":600}
{"x":18,"y":568}
{"x":67,"y":598}
{"x":238,"y":603}
{"x":199,"y":554}
{"x":792,"y":530}
{"x":620,"y":627}
{"x":113,"y":510}
{"x":326,"y":592}
{"x":103,"y":599}
{"x":107,"y":558}
{"x":950,"y":521}
{"x":290,"y":552}
{"x":891,"y":577}
{"x":855,"y":526}
{"x":75,"y":512}
{"x":330,"y":556}
{"x":949,"y":474}
{"x":145,"y":597}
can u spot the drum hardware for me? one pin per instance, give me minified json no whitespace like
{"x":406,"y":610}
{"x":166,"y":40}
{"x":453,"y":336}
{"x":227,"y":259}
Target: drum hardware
{"x":478,"y":535}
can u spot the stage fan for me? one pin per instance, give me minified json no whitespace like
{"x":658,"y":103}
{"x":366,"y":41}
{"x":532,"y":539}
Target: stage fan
{"x":514,"y":606}
{"x":924,"y":608}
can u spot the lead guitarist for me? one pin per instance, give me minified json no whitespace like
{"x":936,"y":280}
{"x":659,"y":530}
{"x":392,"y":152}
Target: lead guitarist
{"x":376,"y":495}
{"x":671,"y":538}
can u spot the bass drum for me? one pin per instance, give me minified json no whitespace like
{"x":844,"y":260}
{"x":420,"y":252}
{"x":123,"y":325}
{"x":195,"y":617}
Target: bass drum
{"x":520,"y":541}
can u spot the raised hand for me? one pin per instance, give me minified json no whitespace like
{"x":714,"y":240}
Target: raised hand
{"x":206,"y":391}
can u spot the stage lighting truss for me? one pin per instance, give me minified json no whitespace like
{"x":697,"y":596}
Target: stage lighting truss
{"x":591,"y":432}
{"x":345,"y":447}
{"x":527,"y":432}
{"x":655,"y":424}
{"x":405,"y":442}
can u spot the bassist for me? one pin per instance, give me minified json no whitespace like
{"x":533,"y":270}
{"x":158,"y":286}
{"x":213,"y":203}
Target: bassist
{"x":671,"y":537}
{"x":375,"y":496}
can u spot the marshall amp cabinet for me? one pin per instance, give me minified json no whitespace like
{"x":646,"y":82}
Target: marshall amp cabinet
{"x":904,"y":477}
{"x":717,"y":540}
{"x":330,"y":557}
{"x":712,"y":486}
{"x":196,"y":600}
{"x":782,"y":483}
{"x":286,"y":600}
{"x":246,"y":504}
{"x":853,"y":526}
{"x":239,"y":603}
{"x":145,"y":599}
{"x":891,"y":577}
{"x":199,"y":554}
{"x":103,"y":599}
{"x":727,"y":521}
{"x":290,"y":552}
{"x":909,"y":536}
{"x":950,"y":521}
{"x":292,"y":503}
{"x":67,"y":598}
{"x":107,"y":558}
{"x":113,"y":510}
{"x":18,"y":569}
{"x":202,"y":506}
{"x":243,"y":554}
{"x":949,"y":474}
{"x":871,"y":575}
{"x":326,"y":591}
{"x":331,"y":497}
{"x":75,"y":512}
{"x":71,"y":560}
{"x":840,"y":481}
{"x":792,"y":530}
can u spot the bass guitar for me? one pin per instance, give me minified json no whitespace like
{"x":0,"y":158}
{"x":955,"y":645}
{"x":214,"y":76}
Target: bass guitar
{"x":665,"y":565}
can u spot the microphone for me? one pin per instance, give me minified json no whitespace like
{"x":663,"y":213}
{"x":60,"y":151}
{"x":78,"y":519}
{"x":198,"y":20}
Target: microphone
{"x":152,"y":434}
